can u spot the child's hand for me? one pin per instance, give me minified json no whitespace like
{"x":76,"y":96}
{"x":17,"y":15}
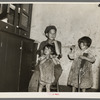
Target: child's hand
{"x":82,"y":57}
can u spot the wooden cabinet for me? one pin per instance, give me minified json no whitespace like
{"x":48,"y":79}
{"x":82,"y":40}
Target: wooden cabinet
{"x":17,"y":59}
{"x":9,"y":62}
{"x":3,"y":45}
{"x":28,"y":57}
{"x":18,"y":16}
{"x":12,"y":63}
{"x":17,"y":50}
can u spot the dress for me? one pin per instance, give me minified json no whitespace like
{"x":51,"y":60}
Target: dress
{"x":86,"y":76}
{"x":47,"y":72}
{"x":57,"y":68}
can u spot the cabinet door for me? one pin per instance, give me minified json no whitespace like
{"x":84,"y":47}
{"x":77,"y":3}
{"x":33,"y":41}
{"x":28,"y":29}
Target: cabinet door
{"x":25,"y":16}
{"x":9,"y":62}
{"x":12,"y":63}
{"x":3,"y":41}
{"x":25,"y":19}
{"x":26,"y":64}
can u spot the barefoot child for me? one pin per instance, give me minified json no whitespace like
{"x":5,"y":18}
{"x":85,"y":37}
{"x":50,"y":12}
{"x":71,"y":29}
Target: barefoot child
{"x":80,"y":75}
{"x":46,"y":65}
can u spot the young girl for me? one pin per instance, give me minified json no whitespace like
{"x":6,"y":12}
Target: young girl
{"x":46,"y":65}
{"x":50,"y":33}
{"x":80,"y":75}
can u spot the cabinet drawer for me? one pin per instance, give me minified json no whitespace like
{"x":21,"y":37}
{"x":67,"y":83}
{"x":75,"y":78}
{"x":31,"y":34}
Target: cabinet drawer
{"x":24,"y":33}
{"x":7,"y":27}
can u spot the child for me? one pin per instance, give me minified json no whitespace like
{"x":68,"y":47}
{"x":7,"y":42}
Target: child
{"x":46,"y":65}
{"x":50,"y":33}
{"x":80,"y":75}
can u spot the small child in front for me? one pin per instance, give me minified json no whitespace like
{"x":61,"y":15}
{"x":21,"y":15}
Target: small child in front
{"x":46,"y":66}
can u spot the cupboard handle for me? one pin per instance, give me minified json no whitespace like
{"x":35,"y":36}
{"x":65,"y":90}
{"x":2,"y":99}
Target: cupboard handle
{"x":20,"y":48}
{"x":32,"y":70}
{"x":7,"y":27}
{"x":1,"y":44}
{"x":24,"y":9}
{"x":17,"y":26}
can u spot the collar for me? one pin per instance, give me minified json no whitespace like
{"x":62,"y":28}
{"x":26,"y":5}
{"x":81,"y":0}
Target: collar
{"x":48,"y":41}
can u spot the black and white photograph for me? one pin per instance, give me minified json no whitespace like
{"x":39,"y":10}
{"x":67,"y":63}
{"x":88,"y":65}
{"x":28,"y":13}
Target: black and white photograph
{"x":49,"y":48}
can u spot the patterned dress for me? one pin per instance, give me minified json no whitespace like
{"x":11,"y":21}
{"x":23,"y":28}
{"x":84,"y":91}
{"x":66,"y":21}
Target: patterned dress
{"x":47,"y":72}
{"x":86,"y":78}
{"x":57,"y":69}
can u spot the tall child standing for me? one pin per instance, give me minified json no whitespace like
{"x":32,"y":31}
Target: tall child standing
{"x":80,"y":75}
{"x":50,"y":33}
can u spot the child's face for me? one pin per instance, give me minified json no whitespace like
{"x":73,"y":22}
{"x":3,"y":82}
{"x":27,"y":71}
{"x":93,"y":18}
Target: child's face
{"x":52,"y":34}
{"x":83,"y":46}
{"x":47,"y":51}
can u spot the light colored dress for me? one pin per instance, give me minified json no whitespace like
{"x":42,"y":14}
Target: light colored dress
{"x":86,"y":77}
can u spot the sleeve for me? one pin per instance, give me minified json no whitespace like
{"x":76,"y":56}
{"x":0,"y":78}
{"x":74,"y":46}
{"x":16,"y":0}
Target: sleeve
{"x":42,"y":57}
{"x":40,"y":50}
{"x":92,"y":53}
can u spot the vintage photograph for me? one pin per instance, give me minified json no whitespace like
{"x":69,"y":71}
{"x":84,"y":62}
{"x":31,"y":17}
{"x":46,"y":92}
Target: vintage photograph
{"x":49,"y":47}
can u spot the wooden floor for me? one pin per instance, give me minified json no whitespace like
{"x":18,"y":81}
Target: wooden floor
{"x":68,"y":89}
{"x":63,"y":88}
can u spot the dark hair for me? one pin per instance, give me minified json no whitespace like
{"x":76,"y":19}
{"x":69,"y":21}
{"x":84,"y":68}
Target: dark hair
{"x":48,"y":28}
{"x":86,"y":40}
{"x":51,"y":47}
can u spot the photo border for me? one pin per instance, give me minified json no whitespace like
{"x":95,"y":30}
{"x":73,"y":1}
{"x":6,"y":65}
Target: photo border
{"x":55,"y":96}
